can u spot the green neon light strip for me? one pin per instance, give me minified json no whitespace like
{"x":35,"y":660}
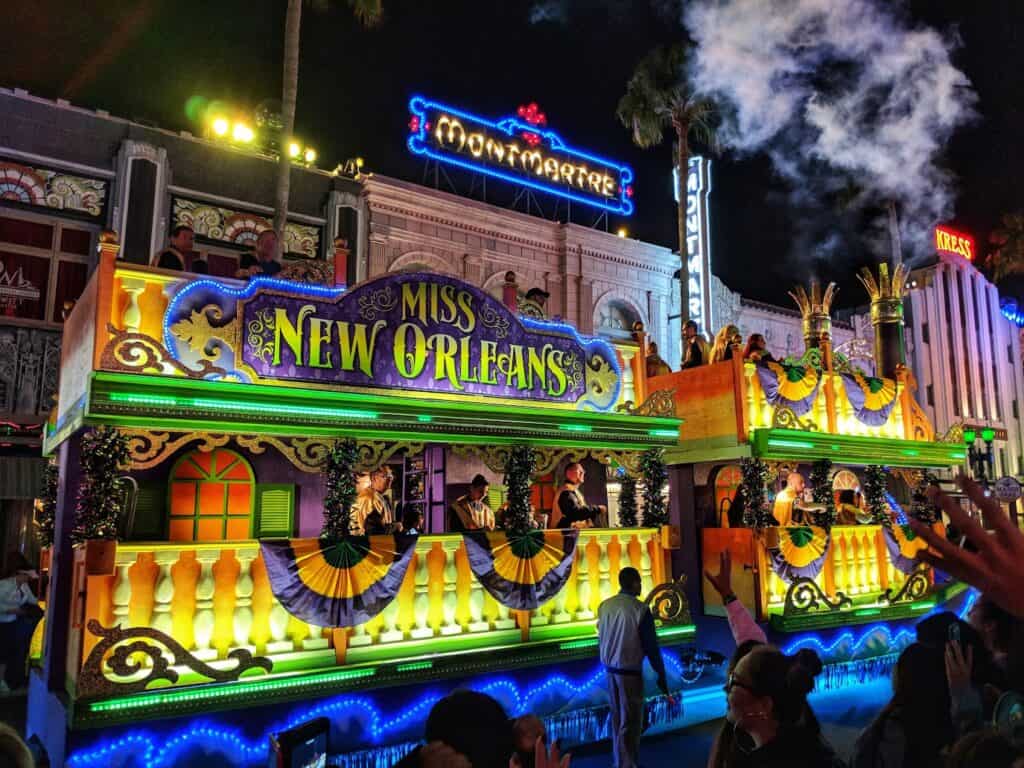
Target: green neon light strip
{"x":412,"y":666}
{"x":683,"y":629}
{"x":924,"y":605}
{"x":867,"y":612}
{"x":234,"y":689}
{"x":573,"y":645}
{"x":239,"y":406}
{"x":777,"y":443}
{"x":958,"y":455}
{"x":910,"y":453}
{"x":425,"y":418}
{"x":576,"y":427}
{"x":663,"y":432}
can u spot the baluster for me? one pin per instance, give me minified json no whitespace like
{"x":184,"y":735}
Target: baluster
{"x":559,"y":615}
{"x":477,"y":621}
{"x":851,"y":565}
{"x":122,"y":595}
{"x":504,"y":620}
{"x":583,"y":612}
{"x":242,"y":623}
{"x":867,"y":550}
{"x":421,"y":600}
{"x":280,"y":642}
{"x":203,"y":622}
{"x":132,"y":317}
{"x":316,"y":640}
{"x":450,"y":600}
{"x":604,"y":586}
{"x":646,"y":577}
{"x":163,"y":593}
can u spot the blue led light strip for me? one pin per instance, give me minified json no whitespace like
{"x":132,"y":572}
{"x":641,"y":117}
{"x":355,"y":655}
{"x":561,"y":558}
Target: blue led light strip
{"x":418,"y":145}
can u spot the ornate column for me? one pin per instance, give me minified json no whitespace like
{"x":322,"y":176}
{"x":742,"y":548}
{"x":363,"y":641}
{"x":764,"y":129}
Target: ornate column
{"x":390,"y":632}
{"x":887,"y":316}
{"x":163,"y":591}
{"x":583,"y":589}
{"x":279,"y":641}
{"x":242,"y":624}
{"x":421,"y":599}
{"x":604,"y":588}
{"x":121,"y":594}
{"x":450,"y":600}
{"x":203,"y":621}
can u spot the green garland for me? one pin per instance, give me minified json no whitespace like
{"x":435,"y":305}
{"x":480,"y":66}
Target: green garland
{"x":921,"y":507}
{"x":98,"y":505}
{"x":627,"y":501}
{"x":821,"y":492}
{"x":340,"y":480}
{"x":519,"y":468}
{"x":874,"y":495}
{"x":46,"y":514}
{"x":652,"y":466}
{"x":755,"y":477}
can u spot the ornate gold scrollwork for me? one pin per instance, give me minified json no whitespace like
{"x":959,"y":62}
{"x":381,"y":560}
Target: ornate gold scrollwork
{"x":373,"y":454}
{"x":668,"y":602}
{"x":132,"y":352}
{"x":955,"y":434}
{"x":495,"y":456}
{"x":124,"y":647}
{"x":148,"y":449}
{"x":805,"y":596}
{"x":783,"y":417}
{"x":659,"y":403}
{"x":305,"y":453}
{"x":913,"y":589}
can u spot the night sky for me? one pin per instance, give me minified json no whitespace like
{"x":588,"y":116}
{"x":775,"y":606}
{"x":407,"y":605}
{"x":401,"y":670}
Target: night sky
{"x":145,"y":59}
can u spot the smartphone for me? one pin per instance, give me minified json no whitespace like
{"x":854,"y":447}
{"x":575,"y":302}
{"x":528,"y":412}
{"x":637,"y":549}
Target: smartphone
{"x":953,"y":633}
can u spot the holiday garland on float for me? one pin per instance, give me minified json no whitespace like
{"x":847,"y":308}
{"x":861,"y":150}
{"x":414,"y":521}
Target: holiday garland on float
{"x":652,"y":466}
{"x":46,"y":512}
{"x":921,"y":507}
{"x":755,"y":477}
{"x":627,"y":500}
{"x":821,"y":492}
{"x":98,"y":506}
{"x":340,"y":480}
{"x":519,"y":468}
{"x":874,"y":495}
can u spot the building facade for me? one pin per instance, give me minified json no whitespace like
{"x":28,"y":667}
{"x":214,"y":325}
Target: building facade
{"x":966,"y":356}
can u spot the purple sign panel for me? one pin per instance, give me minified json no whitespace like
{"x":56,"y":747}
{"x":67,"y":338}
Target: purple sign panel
{"x":422,"y":332}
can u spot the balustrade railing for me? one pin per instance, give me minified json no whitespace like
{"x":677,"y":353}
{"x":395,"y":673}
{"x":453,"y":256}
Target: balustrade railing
{"x":214,"y":598}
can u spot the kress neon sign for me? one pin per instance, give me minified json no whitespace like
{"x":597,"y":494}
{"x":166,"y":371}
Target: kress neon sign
{"x":518,"y":152}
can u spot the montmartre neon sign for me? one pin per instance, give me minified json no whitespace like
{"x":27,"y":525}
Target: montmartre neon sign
{"x":519,"y":152}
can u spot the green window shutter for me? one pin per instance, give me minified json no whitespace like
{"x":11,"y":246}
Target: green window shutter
{"x":496,"y":496}
{"x":275,"y":510}
{"x":150,"y":512}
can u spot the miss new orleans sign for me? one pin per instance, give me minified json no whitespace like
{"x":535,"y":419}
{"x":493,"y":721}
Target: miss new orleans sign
{"x":415,"y":332}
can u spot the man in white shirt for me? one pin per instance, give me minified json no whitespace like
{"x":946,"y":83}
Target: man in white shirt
{"x":19,"y":614}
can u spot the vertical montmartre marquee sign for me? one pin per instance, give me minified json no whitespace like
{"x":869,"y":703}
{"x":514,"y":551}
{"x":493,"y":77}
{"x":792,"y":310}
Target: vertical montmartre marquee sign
{"x":519,"y":150}
{"x":698,"y":239}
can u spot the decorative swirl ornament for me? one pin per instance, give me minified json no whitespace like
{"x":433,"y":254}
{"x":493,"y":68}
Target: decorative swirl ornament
{"x":260,"y":332}
{"x":138,"y":353}
{"x":668,"y":602}
{"x":783,"y":417}
{"x":490,"y":318}
{"x":379,"y":301}
{"x":914,"y":588}
{"x":125,"y":667}
{"x":659,"y":403}
{"x":805,"y":596}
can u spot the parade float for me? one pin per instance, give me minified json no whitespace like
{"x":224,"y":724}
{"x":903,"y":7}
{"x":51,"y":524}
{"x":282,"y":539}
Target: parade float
{"x":207,"y":591}
{"x":839,"y":574}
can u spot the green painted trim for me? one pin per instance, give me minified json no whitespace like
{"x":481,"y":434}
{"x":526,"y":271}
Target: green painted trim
{"x":156,"y":402}
{"x":720,"y":448}
{"x":412,"y":668}
{"x":789,"y":444}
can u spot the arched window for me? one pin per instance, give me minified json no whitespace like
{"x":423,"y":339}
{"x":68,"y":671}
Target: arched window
{"x":615,"y":318}
{"x":211,"y":497}
{"x":727,"y":482}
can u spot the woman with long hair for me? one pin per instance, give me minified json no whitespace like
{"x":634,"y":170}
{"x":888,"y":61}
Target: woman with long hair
{"x":726,"y":339}
{"x":915,"y":726}
{"x":757,"y":350}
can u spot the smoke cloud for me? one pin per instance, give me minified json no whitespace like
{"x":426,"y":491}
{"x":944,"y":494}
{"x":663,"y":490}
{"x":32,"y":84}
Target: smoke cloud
{"x":851,"y":102}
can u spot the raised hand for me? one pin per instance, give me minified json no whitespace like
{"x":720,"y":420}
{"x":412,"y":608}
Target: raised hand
{"x":541,"y":757}
{"x":997,"y":568}
{"x":958,"y":667}
{"x":722,"y":581}
{"x":437,"y":754}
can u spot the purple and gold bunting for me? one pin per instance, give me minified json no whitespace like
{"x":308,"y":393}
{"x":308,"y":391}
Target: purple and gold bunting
{"x":792,"y":386}
{"x":801,"y":552}
{"x":872,"y":399}
{"x":337,"y":583}
{"x":903,"y":545}
{"x":521,"y":571}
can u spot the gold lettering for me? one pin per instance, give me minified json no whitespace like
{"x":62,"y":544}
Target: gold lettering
{"x":516,"y":370}
{"x":537,"y":365}
{"x":594,"y":179}
{"x":319,"y":332}
{"x":454,"y":128}
{"x":495,"y":150}
{"x":288,"y":333}
{"x":551,"y":168}
{"x":448,"y":299}
{"x":608,"y":189}
{"x":513,"y":151}
{"x":466,"y":372}
{"x":558,"y":387}
{"x":354,"y":349}
{"x":409,"y":364}
{"x":445,"y":348}
{"x":414,"y":301}
{"x":532,"y":160}
{"x":475,"y":143}
{"x":465,"y":299}
{"x":488,"y":352}
{"x":568,"y":170}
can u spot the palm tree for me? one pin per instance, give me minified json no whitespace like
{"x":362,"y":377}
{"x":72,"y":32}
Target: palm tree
{"x":658,"y":97}
{"x":366,"y":11}
{"x":1008,"y":239}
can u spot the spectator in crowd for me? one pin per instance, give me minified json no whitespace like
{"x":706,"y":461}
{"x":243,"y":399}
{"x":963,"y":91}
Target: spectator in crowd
{"x":264,"y":260}
{"x":767,"y":703}
{"x":741,"y":623}
{"x":654,"y":363}
{"x":179,"y":246}
{"x":727,"y":343}
{"x":997,"y":628}
{"x":13,"y":751}
{"x":526,"y":732}
{"x":757,"y":350}
{"x":986,"y":748}
{"x":915,"y":727}
{"x":625,"y":628}
{"x":695,"y":351}
{"x":19,"y":614}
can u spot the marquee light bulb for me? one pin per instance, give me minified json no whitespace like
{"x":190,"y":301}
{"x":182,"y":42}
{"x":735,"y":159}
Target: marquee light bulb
{"x":294,"y":149}
{"x":242,"y":133}
{"x":310,"y":155}
{"x":622,"y":232}
{"x":221,"y":126}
